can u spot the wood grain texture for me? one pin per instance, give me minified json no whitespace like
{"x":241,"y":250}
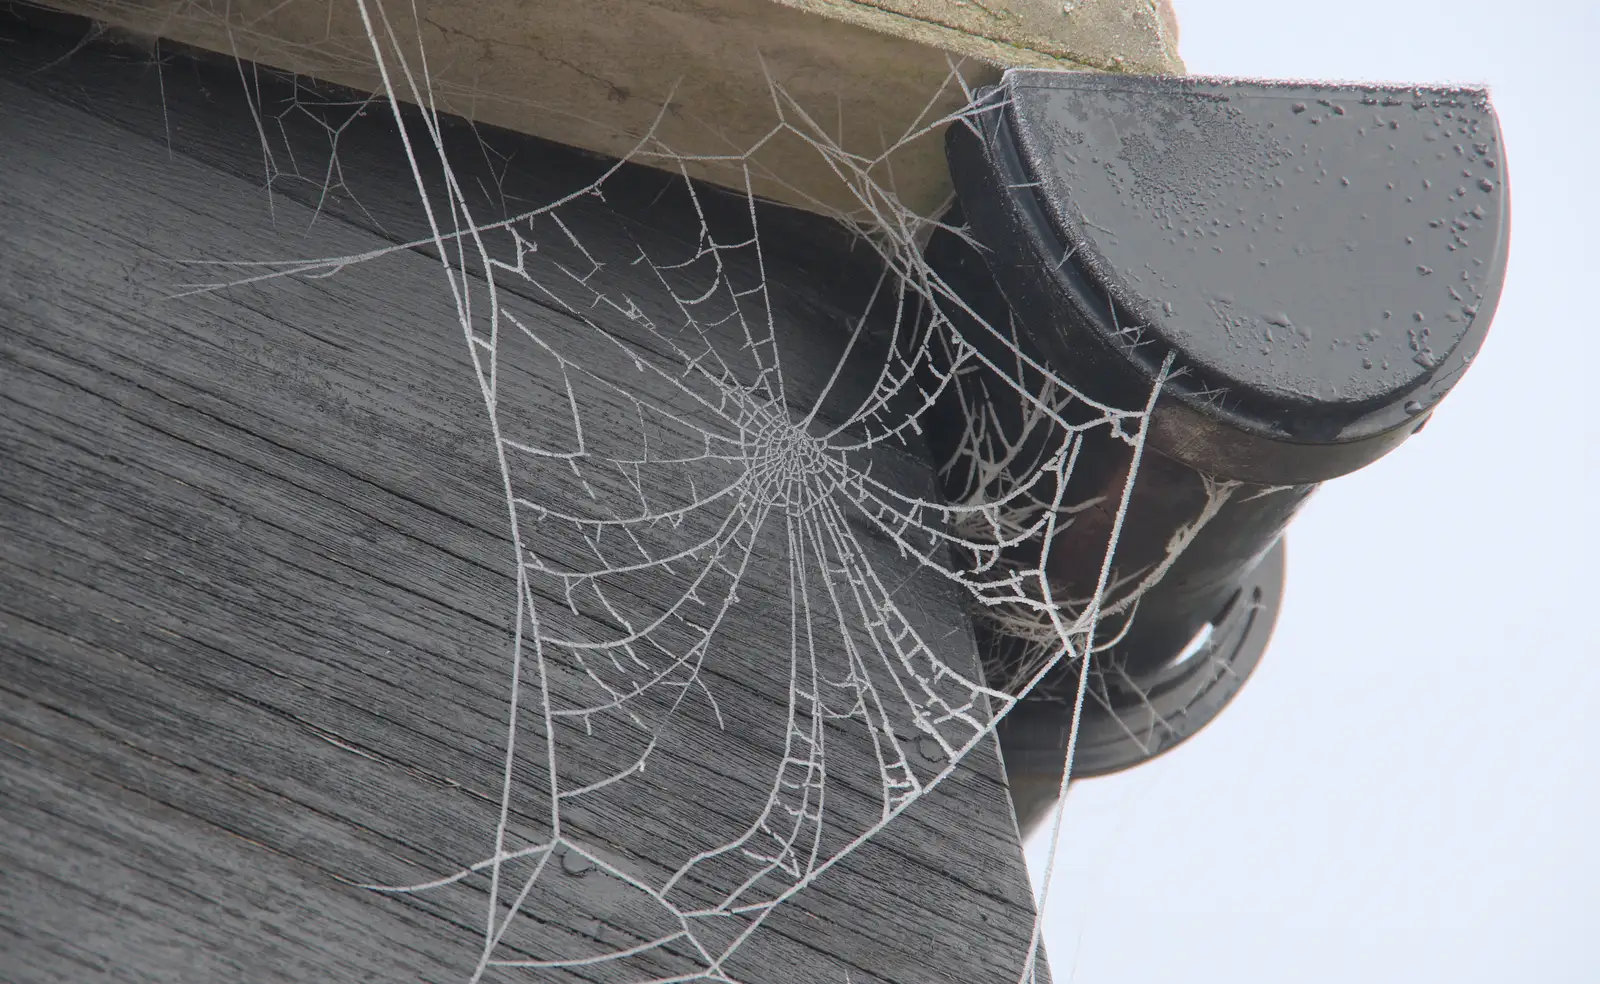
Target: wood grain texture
{"x":255,"y":589}
{"x":862,"y":74}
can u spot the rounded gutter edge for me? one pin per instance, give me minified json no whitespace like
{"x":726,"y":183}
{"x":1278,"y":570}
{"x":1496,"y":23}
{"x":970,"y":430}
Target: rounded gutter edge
{"x":1002,"y":198}
{"x":1186,"y":697}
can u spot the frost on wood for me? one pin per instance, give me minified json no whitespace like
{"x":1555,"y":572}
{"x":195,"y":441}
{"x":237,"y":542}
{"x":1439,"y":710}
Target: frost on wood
{"x":657,"y":444}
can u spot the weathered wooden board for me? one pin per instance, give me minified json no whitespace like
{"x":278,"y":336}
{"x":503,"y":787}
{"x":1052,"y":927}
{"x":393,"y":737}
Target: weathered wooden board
{"x":596,"y":74}
{"x":256,"y":594}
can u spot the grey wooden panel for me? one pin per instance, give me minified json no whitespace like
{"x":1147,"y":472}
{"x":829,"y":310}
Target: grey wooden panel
{"x":256,"y":592}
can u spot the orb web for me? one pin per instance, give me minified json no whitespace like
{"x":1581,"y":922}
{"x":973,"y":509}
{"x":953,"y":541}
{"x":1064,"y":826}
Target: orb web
{"x":674,"y":469}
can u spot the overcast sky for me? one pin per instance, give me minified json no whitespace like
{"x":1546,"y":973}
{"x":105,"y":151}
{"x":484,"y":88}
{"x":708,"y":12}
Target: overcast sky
{"x":1409,"y":788}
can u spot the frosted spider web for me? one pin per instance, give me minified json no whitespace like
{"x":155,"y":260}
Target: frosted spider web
{"x":655,"y":447}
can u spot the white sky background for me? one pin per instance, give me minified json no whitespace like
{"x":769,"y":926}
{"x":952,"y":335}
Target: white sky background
{"x":1409,"y":788}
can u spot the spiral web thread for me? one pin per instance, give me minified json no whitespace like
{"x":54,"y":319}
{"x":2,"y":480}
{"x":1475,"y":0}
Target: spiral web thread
{"x":634,"y":542}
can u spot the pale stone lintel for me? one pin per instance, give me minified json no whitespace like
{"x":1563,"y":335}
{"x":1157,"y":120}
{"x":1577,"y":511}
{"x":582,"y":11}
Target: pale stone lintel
{"x":705,"y":79}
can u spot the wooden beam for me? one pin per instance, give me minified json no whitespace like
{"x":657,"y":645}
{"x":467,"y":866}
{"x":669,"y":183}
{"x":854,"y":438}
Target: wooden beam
{"x":257,"y":593}
{"x":857,"y":75}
